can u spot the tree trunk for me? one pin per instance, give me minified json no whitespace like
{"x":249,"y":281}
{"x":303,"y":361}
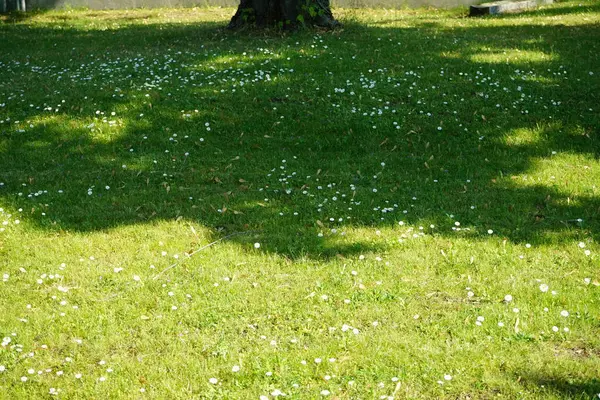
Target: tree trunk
{"x":13,"y":5}
{"x":283,"y":13}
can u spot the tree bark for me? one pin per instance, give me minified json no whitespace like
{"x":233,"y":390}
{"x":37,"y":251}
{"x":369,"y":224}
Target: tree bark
{"x":283,"y":13}
{"x":13,"y":5}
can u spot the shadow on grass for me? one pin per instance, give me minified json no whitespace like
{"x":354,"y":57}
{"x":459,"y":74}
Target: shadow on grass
{"x":134,"y":170}
{"x":572,"y":388}
{"x":19,"y":16}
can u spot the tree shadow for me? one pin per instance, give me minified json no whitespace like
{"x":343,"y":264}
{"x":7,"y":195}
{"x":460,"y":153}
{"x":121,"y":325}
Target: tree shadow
{"x":19,"y":16}
{"x":569,"y":387}
{"x":74,"y":166}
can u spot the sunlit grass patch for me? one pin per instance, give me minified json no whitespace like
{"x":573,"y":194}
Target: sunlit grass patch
{"x":502,"y":56}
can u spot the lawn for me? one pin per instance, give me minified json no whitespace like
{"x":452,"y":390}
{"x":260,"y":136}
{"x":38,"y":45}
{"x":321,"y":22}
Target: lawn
{"x":408,"y":207}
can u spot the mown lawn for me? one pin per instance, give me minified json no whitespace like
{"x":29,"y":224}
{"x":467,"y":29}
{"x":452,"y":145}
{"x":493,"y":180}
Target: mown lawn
{"x":408,"y":207}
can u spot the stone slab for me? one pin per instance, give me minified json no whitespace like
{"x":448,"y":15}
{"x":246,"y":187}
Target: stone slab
{"x":505,"y":6}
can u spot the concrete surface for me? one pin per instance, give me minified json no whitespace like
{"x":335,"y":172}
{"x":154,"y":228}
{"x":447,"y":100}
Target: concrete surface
{"x":505,"y":6}
{"x":124,"y":4}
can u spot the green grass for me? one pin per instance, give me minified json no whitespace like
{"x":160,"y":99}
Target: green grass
{"x":434,"y":164}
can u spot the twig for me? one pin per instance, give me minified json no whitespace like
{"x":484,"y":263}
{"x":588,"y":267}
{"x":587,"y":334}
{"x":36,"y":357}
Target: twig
{"x":200,"y":249}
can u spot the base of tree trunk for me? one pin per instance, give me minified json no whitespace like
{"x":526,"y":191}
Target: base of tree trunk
{"x":285,"y":14}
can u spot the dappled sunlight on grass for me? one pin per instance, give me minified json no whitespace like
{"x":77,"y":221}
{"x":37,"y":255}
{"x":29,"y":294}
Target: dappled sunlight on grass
{"x":507,"y":56}
{"x":407,"y":206}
